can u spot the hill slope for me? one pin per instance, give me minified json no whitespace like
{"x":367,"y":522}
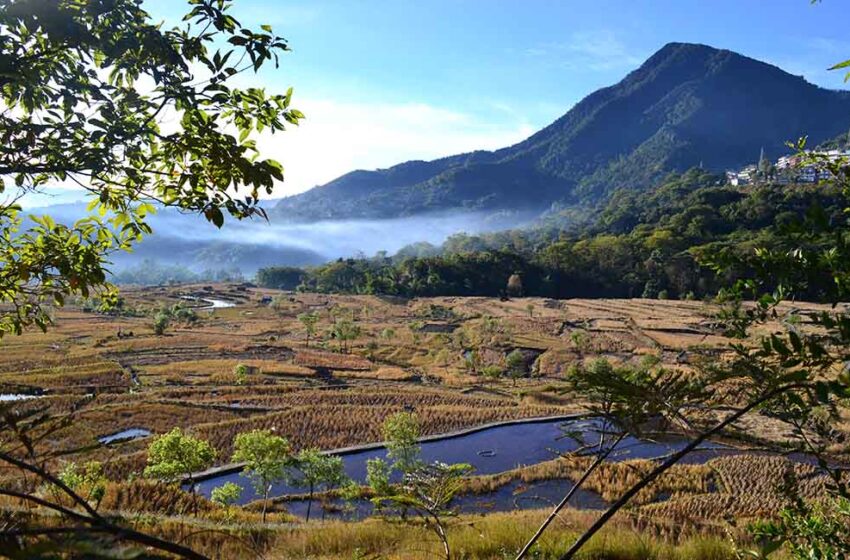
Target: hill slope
{"x":687,"y":105}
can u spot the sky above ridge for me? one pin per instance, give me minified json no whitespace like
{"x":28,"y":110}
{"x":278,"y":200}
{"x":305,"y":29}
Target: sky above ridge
{"x":384,"y":81}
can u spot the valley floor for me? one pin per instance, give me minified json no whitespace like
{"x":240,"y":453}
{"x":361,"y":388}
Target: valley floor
{"x":444,"y":358}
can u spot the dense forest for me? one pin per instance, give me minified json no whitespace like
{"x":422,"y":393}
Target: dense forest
{"x":653,"y":244}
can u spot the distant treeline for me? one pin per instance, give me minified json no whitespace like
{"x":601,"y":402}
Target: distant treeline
{"x":153,"y":273}
{"x":655,"y":243}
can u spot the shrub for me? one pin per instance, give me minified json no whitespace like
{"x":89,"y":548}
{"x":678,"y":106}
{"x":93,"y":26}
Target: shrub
{"x":227,"y":494}
{"x":161,"y":321}
{"x":492,"y":371}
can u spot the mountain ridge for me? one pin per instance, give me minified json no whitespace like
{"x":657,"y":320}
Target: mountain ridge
{"x":687,"y":105}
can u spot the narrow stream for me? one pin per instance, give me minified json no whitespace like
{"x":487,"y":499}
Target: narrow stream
{"x":490,"y":451}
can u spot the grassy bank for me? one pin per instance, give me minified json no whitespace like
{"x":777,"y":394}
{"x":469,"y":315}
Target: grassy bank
{"x":494,"y":536}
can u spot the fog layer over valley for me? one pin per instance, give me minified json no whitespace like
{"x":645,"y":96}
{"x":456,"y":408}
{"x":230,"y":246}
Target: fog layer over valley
{"x":192,"y":243}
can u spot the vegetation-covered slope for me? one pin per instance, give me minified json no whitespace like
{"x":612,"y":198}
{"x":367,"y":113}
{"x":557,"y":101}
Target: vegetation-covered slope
{"x":651,"y":243}
{"x":688,"y":105}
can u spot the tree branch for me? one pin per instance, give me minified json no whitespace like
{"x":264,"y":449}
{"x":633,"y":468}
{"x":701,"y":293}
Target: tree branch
{"x":675,"y":458}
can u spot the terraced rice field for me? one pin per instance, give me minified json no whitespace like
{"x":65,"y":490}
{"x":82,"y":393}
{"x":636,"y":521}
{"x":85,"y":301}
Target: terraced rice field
{"x":112,"y":373}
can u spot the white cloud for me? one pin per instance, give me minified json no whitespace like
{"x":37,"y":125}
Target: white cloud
{"x":341,"y":136}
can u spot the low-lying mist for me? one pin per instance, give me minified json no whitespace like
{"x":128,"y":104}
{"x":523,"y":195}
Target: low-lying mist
{"x":190,"y":241}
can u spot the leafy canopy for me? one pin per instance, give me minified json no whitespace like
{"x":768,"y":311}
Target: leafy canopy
{"x":401,"y":432}
{"x":95,"y":94}
{"x":266,"y":456}
{"x":176,"y":454}
{"x":226,"y":494}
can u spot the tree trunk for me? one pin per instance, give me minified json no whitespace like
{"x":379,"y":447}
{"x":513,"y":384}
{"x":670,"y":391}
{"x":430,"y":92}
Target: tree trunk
{"x":441,"y":534}
{"x":194,"y":496}
{"x":310,"y":503}
{"x":663,"y":467}
{"x":266,"y":501}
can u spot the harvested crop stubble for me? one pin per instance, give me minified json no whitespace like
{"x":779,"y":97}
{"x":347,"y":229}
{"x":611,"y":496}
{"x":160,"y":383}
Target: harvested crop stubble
{"x":151,"y":497}
{"x":334,"y":426}
{"x":762,"y":476}
{"x":609,"y":480}
{"x":310,"y":358}
{"x":750,"y":486}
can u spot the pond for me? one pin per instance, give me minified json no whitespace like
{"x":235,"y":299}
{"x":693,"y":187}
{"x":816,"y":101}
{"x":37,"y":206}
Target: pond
{"x":124,"y":435}
{"x":9,"y":397}
{"x":218,"y":303}
{"x":491,"y":450}
{"x":211,"y":303}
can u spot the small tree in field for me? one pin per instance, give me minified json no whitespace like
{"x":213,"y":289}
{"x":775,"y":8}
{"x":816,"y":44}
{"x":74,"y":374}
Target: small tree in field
{"x":317,"y":470}
{"x":426,"y":490}
{"x":266,"y":457}
{"x":345,"y":330}
{"x":227,"y":494}
{"x":175,"y":455}
{"x":515,"y":362}
{"x":240,"y":374}
{"x":88,"y":480}
{"x":472,"y":361}
{"x":161,"y":322}
{"x":309,"y":320}
{"x":401,"y":433}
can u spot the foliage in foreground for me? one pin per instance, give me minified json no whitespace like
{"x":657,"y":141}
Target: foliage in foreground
{"x":79,"y":111}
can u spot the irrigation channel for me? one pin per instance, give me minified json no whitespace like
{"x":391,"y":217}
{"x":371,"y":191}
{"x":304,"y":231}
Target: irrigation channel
{"x":490,"y":450}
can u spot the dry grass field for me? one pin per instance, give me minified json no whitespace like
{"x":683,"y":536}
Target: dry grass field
{"x":111,"y":373}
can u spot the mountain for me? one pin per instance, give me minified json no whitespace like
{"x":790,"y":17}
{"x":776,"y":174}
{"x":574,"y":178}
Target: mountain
{"x":688,"y":105}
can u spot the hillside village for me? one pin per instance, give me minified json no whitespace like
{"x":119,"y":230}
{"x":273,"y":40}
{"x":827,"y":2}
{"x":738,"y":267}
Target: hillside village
{"x":794,"y":168}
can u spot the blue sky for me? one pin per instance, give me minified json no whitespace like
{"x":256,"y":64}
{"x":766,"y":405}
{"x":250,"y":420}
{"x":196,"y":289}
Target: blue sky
{"x":383,"y":81}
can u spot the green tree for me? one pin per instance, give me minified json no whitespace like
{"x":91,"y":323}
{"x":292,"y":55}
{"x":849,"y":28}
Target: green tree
{"x":401,"y":434}
{"x":175,"y":455}
{"x":266,"y":457}
{"x":378,"y":474}
{"x":88,"y":480}
{"x":317,"y":469}
{"x":227,"y":494}
{"x":427,"y":491}
{"x":309,"y":320}
{"x":85,"y":88}
{"x":472,"y":361}
{"x":345,"y":330}
{"x":161,"y":322}
{"x":516,"y":365}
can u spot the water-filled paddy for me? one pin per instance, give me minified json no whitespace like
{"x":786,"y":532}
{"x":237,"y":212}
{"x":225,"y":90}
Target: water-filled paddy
{"x":492,"y":450}
{"x":124,"y":435}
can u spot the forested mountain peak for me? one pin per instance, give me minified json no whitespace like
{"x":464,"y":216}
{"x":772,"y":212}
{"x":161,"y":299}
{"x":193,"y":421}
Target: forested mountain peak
{"x":687,"y":105}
